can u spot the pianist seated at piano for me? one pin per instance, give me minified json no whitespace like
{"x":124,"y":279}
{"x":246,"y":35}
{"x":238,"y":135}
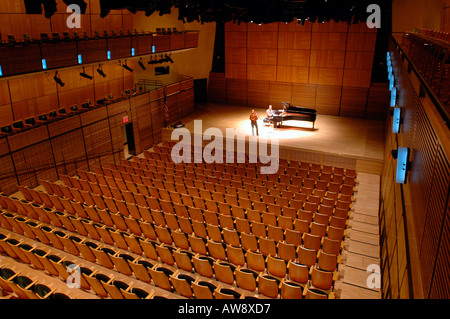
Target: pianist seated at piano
{"x":290,"y":113}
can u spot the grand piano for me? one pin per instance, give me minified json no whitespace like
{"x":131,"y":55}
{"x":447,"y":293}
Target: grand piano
{"x":289,"y":113}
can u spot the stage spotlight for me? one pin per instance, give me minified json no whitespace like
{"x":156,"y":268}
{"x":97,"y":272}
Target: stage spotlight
{"x":87,"y":76}
{"x":126,"y":67}
{"x":141,"y":64}
{"x":58,"y":79}
{"x":100,"y":71}
{"x":49,"y":8}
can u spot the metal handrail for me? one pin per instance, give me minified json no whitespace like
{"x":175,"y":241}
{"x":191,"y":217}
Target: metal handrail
{"x":437,"y":103}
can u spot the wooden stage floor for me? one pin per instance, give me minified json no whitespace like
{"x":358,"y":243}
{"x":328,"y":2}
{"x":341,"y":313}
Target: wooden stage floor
{"x":338,"y":141}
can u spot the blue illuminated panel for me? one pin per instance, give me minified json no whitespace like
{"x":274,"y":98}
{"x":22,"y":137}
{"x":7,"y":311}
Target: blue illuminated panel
{"x":133,"y":52}
{"x":1,"y":72}
{"x":396,"y":120}
{"x":44,"y":64}
{"x":388,"y":56}
{"x":153,"y":49}
{"x":80,"y":59}
{"x":108,"y":55}
{"x":393,"y":97}
{"x":391,"y":83}
{"x":402,"y":161}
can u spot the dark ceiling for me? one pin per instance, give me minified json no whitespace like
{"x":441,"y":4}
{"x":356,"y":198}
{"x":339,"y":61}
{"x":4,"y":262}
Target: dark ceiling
{"x":258,"y":11}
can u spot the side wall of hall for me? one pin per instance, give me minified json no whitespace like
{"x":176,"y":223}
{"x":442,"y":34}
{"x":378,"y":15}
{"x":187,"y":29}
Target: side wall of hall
{"x":414,"y":217}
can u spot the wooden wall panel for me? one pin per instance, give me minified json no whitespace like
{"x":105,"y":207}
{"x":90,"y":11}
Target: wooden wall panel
{"x":34,"y":163}
{"x":293,"y":58}
{"x":440,"y":286}
{"x":262,"y":56}
{"x":69,"y":152}
{"x":119,"y":47}
{"x":64,"y":125}
{"x":262,"y":40}
{"x":191,"y":39}
{"x":27,"y":138}
{"x":294,"y":40}
{"x":217,"y":88}
{"x":320,"y":54}
{"x":187,"y":102}
{"x":235,"y":55}
{"x":177,"y":41}
{"x":115,"y":124}
{"x":235,"y":71}
{"x":328,"y":99}
{"x":174,"y":107}
{"x":142,"y":45}
{"x":235,"y":39}
{"x":76,"y":96}
{"x":12,"y":6}
{"x":98,"y":143}
{"x":325,"y":76}
{"x":265,"y":72}
{"x":357,"y":78}
{"x":7,"y":115}
{"x":59,"y":55}
{"x":284,"y":74}
{"x":300,"y":74}
{"x":95,"y":115}
{"x":144,"y":123}
{"x":158,"y":120}
{"x":92,"y":50}
{"x":20,"y":59}
{"x":435,"y":216}
{"x":304,"y":95}
{"x":237,"y":92}
{"x":327,"y":59}
{"x":359,"y":60}
{"x":258,"y":93}
{"x":361,"y":41}
{"x":353,"y":102}
{"x":378,"y":102}
{"x":280,"y":92}
{"x":333,"y":41}
{"x":7,"y":175}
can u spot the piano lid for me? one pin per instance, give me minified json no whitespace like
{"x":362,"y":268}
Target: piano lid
{"x":287,"y":107}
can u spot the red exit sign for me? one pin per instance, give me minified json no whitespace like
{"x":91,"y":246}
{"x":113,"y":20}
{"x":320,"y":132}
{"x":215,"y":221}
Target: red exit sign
{"x":125,"y":119}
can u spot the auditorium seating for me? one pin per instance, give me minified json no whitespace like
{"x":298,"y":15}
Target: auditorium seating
{"x":165,"y":225}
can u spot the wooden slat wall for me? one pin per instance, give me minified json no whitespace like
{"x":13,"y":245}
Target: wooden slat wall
{"x":422,"y":203}
{"x":217,"y":88}
{"x":14,"y":20}
{"x":35,"y":94}
{"x":89,"y":139}
{"x":318,"y":55}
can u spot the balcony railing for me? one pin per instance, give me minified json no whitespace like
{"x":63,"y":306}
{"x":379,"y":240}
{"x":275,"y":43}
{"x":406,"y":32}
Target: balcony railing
{"x":47,"y":53}
{"x":430,"y":57}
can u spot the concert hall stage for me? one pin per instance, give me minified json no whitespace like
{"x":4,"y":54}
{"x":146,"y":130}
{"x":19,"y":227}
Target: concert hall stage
{"x":336,"y":141}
